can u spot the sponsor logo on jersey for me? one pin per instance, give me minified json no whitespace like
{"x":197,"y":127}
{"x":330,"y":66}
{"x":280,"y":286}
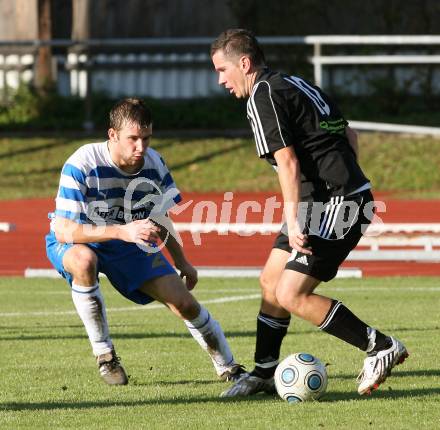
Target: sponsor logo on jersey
{"x":117,"y":214}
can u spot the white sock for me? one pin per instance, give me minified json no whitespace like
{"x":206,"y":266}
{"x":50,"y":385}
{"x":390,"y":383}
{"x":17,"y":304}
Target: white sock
{"x":90,"y":306}
{"x":209,"y":335}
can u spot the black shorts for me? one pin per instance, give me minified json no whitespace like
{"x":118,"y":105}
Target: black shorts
{"x":334,"y":228}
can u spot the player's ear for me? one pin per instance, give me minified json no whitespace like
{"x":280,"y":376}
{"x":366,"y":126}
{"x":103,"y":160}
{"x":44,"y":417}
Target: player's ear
{"x":245,"y":63}
{"x":112,"y":134}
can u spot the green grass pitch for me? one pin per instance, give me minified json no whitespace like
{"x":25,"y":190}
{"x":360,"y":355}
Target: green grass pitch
{"x":49,"y":378}
{"x":31,"y":166}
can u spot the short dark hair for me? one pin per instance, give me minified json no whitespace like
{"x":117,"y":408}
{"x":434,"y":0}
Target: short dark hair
{"x":238,"y":41}
{"x":130,"y":110}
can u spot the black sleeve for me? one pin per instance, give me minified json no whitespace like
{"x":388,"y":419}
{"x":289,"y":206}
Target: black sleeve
{"x":269,"y":118}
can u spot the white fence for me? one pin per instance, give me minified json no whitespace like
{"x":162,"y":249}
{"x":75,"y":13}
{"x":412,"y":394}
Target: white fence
{"x":156,"y":75}
{"x":14,"y":69}
{"x":181,"y":67}
{"x":415,"y":242}
{"x":414,"y":56}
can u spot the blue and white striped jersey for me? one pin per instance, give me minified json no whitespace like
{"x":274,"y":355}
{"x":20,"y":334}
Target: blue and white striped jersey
{"x":93,"y":190}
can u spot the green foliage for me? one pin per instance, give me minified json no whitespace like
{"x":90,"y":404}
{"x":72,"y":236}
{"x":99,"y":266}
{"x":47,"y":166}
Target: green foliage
{"x":28,"y":110}
{"x":204,"y":113}
{"x":50,"y":379}
{"x":389,"y":104}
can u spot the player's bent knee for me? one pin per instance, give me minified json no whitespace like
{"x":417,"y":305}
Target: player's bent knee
{"x":263,"y":282}
{"x":80,"y":259}
{"x":188,"y":307}
{"x":289,"y":300}
{"x":267,"y":284}
{"x":269,"y":296}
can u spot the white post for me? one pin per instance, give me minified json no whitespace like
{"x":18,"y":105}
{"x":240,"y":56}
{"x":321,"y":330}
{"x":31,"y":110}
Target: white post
{"x":317,"y":66}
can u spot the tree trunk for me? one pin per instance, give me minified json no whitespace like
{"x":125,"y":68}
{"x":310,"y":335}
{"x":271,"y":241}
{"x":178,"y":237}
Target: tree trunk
{"x":81,"y":10}
{"x":43,"y":67}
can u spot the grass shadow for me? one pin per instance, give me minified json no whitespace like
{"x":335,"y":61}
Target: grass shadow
{"x":206,"y":157}
{"x":397,"y":373}
{"x":194,"y":382}
{"x":330,"y":397}
{"x":84,"y":405}
{"x":36,"y":171}
{"x":33,"y":149}
{"x":146,"y":335}
{"x":389,"y":393}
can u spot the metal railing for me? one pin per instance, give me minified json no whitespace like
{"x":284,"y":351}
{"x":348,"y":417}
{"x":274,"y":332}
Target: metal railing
{"x":320,"y":60}
{"x":416,"y":242}
{"x":181,"y":67}
{"x":318,"y":42}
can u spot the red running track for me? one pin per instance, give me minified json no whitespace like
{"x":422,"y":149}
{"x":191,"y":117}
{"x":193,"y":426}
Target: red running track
{"x":25,"y":248}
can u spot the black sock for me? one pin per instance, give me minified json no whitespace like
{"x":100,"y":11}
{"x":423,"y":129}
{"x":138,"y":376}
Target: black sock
{"x":380,"y":342}
{"x":343,"y":324}
{"x":270,"y":334}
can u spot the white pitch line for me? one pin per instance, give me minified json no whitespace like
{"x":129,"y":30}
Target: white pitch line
{"x":208,"y":291}
{"x":131,"y":308}
{"x":395,"y":289}
{"x":224,"y":300}
{"x":203,"y":272}
{"x":351,"y":289}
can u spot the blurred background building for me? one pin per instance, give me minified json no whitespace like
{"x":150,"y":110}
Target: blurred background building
{"x":110,"y":61}
{"x":63,"y":62}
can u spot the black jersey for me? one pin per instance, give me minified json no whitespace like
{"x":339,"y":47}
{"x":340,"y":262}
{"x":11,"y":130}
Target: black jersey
{"x":289,"y":111}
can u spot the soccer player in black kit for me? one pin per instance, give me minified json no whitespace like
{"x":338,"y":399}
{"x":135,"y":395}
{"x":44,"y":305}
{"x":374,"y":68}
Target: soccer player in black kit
{"x":327,"y":206}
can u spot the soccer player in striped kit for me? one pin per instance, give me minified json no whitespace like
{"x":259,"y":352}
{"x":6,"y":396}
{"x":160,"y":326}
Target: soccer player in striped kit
{"x":109,"y":194}
{"x":327,"y":206}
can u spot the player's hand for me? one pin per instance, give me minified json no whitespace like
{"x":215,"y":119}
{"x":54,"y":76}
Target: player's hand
{"x":299,"y":240}
{"x":189,"y":274}
{"x":140,"y":232}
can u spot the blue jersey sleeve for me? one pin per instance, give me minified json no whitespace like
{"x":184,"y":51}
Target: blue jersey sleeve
{"x":71,"y":197}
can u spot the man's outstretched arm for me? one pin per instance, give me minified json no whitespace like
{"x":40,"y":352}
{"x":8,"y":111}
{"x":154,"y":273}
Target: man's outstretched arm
{"x":68,"y":231}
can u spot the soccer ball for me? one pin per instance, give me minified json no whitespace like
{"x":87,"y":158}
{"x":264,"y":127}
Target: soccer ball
{"x":300,"y":377}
